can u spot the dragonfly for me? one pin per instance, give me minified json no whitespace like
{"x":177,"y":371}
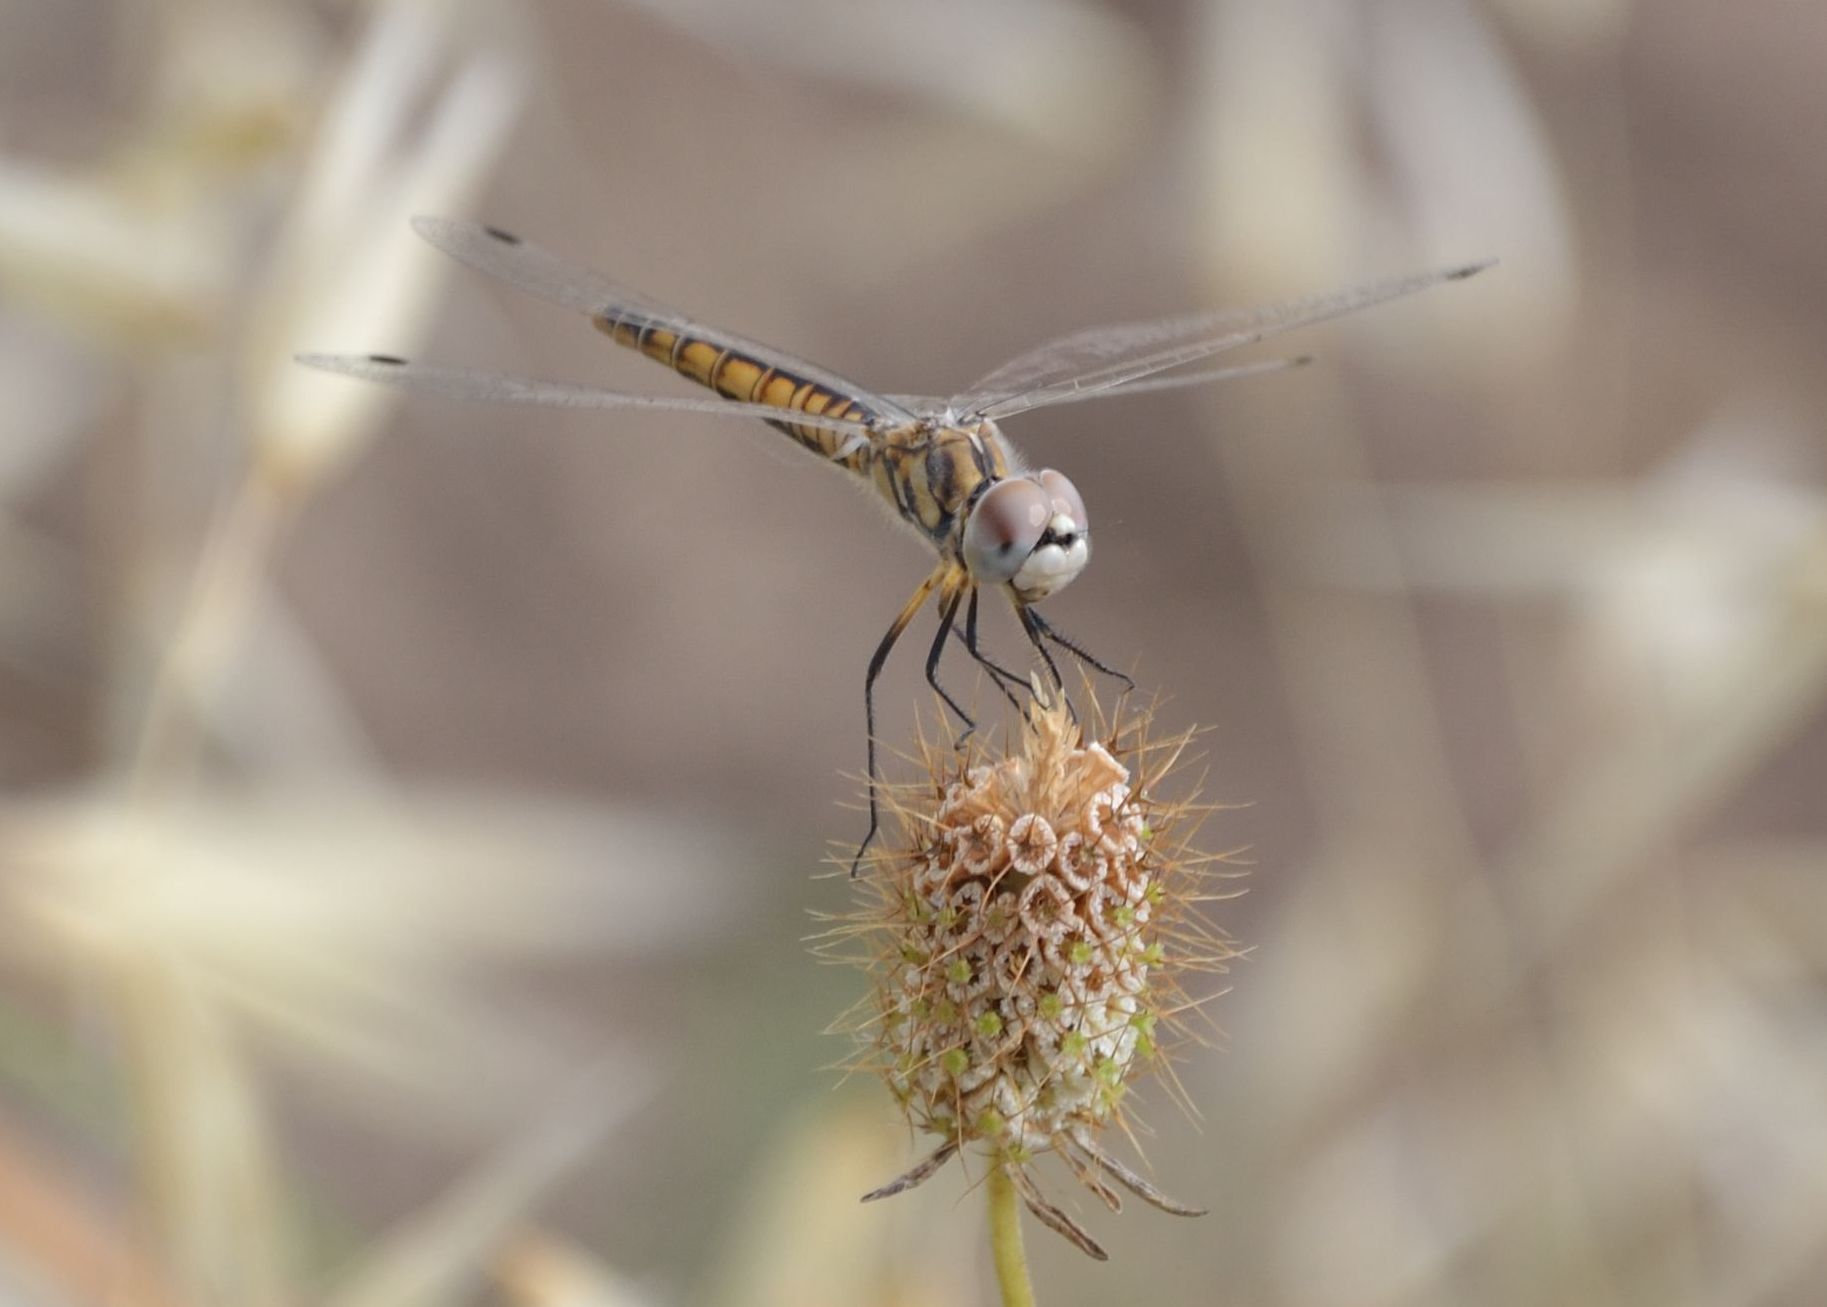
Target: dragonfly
{"x":942,"y":464}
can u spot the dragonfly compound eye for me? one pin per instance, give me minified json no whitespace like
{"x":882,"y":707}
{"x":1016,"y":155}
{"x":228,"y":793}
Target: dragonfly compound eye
{"x":1004,"y":528}
{"x":1064,"y":546}
{"x":1028,"y":532}
{"x":1063,"y":499}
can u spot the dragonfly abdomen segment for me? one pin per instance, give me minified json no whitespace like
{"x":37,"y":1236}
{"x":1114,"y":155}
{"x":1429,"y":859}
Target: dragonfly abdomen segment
{"x":738,"y":376}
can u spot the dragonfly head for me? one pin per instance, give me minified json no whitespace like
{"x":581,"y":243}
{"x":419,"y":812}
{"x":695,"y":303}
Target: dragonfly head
{"x":1028,"y":532}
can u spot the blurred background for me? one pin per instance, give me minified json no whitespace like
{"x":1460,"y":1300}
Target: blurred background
{"x":413,"y":810}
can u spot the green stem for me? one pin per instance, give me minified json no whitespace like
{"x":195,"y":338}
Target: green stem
{"x":1005,"y":1241}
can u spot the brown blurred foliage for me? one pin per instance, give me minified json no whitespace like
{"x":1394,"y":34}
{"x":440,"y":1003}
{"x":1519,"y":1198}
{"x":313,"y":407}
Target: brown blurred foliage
{"x":400,"y":793}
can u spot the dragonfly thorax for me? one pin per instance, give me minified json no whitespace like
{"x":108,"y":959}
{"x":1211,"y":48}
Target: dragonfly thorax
{"x":1028,"y":532}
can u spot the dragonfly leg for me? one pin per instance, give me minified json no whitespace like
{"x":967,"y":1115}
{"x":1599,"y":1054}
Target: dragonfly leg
{"x":880,"y":656}
{"x":1000,"y":675}
{"x":1030,"y":622}
{"x":1052,"y":633}
{"x":948,"y":614}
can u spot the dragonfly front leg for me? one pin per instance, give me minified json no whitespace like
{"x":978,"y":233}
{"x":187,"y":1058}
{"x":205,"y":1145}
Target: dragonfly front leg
{"x":913,"y":606}
{"x":1001,"y":675}
{"x":1030,"y":622}
{"x":1053,"y":634}
{"x":948,"y":613}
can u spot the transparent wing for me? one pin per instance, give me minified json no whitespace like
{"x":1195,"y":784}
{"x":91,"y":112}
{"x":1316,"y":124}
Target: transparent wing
{"x":1102,"y":360}
{"x":491,"y":388}
{"x":544,"y":274}
{"x":926,"y":406}
{"x":934,"y":407}
{"x":1181,"y":380}
{"x":941,"y":408}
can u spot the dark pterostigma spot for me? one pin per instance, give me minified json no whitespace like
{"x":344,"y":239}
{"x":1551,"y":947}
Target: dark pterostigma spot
{"x":391,"y":360}
{"x":505,"y":237}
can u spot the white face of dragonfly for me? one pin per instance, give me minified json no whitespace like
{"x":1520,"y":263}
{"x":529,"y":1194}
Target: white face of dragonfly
{"x":1030,"y":533}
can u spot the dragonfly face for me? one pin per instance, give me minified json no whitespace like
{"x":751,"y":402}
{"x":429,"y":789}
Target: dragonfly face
{"x":941,"y":463}
{"x":1029,"y":533}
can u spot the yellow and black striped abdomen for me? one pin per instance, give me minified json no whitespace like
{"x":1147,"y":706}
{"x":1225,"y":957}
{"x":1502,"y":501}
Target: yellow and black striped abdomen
{"x":738,"y":376}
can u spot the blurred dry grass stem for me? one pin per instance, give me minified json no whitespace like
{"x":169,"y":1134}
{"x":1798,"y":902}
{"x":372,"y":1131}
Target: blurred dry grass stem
{"x":169,"y":912}
{"x":1510,"y":609}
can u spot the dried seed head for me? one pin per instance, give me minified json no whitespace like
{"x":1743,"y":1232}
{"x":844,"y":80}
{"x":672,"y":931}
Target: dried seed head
{"x":1032,"y":927}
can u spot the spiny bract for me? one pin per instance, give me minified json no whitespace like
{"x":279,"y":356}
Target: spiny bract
{"x":1031,"y":929}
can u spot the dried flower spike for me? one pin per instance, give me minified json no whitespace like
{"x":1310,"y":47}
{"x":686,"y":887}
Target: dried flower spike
{"x":1031,"y":929}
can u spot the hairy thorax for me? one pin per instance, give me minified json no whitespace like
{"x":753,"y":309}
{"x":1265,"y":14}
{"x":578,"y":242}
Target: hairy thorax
{"x":931,"y":473}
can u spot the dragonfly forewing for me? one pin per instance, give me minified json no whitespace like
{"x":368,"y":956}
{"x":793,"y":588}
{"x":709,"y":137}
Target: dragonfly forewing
{"x":1107,"y":359}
